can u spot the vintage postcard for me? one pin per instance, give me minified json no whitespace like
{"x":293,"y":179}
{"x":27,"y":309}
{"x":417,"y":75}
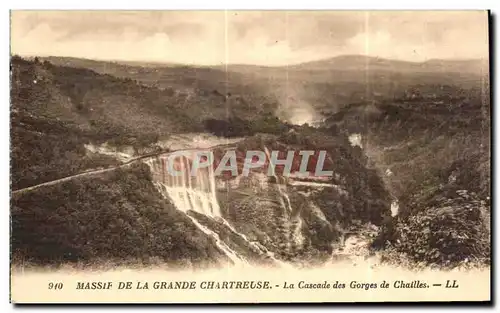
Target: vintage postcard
{"x":250,"y":156}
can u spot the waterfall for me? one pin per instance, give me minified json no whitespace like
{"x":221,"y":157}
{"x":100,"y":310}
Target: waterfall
{"x":257,"y":246}
{"x":187,"y":192}
{"x":394,"y":208}
{"x":196,"y":193}
{"x":356,"y":140}
{"x":232,"y":255}
{"x":284,"y":202}
{"x":298,"y":237}
{"x":284,"y":198}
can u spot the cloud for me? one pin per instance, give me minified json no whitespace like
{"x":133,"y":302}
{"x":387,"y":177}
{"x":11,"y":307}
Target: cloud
{"x":250,"y":37}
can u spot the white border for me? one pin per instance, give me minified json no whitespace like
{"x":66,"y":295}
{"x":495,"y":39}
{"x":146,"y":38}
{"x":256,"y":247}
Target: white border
{"x":191,"y":4}
{"x":258,"y":4}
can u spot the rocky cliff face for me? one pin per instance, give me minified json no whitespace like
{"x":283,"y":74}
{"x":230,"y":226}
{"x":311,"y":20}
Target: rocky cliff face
{"x":274,"y":218}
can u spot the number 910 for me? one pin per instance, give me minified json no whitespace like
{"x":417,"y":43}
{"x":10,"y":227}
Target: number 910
{"x":55,"y":286}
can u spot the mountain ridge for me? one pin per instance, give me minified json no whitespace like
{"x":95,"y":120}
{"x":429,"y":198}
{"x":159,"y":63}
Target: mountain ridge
{"x":350,"y":58}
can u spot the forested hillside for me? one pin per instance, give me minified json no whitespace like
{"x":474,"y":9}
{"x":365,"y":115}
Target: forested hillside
{"x":417,"y":174}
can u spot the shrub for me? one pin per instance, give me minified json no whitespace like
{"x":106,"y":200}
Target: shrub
{"x":450,"y":231}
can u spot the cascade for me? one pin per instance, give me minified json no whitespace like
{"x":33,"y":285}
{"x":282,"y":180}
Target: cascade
{"x":198,"y":193}
{"x":297,"y":236}
{"x":394,"y":208}
{"x":257,"y":245}
{"x":231,"y":254}
{"x":356,"y":140}
{"x":187,"y":192}
{"x":284,"y":198}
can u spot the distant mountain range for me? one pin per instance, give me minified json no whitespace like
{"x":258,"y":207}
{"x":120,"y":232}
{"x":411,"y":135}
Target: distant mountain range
{"x":324,"y":84}
{"x":337,"y":63}
{"x":359,"y":62}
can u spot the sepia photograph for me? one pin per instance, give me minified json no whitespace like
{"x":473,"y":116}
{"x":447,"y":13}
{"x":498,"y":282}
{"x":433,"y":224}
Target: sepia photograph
{"x":250,"y":156}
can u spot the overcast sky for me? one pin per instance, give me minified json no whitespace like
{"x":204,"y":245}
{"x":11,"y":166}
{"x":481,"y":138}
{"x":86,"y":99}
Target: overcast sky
{"x":249,"y":37}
